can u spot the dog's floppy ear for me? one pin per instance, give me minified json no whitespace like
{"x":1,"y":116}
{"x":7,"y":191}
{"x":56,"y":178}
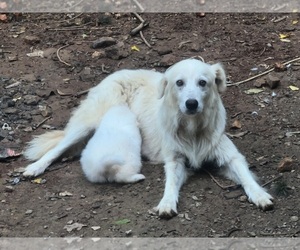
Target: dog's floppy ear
{"x":161,"y":88}
{"x":220,"y":77}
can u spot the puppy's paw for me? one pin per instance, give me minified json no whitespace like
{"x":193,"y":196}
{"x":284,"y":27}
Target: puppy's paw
{"x":167,"y":208}
{"x":33,"y":169}
{"x":128,"y":178}
{"x":138,"y":177}
{"x":261,"y":199}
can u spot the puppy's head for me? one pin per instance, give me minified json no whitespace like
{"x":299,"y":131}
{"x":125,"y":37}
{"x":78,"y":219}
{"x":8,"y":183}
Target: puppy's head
{"x":189,"y":84}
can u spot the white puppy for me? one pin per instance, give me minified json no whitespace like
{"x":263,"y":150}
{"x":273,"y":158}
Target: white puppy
{"x":113,"y":153}
{"x":181,"y":118}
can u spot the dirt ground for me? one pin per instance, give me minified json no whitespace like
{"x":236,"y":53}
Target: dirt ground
{"x":40,"y":89}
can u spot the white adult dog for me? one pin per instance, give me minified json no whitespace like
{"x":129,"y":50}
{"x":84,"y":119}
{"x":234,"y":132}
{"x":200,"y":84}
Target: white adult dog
{"x":181,"y":117}
{"x":113,"y":154}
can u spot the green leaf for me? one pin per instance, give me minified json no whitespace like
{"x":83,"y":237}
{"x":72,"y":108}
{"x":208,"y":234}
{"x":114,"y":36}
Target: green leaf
{"x":122,"y":222}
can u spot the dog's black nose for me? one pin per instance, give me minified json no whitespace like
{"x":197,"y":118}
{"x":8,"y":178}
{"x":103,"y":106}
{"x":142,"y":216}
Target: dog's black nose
{"x":191,"y":104}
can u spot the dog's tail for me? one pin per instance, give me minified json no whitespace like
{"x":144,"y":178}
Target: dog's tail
{"x":41,"y":144}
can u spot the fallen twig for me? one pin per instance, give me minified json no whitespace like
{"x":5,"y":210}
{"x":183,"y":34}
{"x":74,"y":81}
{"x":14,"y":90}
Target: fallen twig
{"x":280,"y":19}
{"x":199,"y":57}
{"x":42,"y":122}
{"x":220,"y":185}
{"x":82,"y":92}
{"x":238,"y":135}
{"x":74,"y":29}
{"x":272,"y":180}
{"x":62,"y":93}
{"x":57,"y":54}
{"x":57,"y":167}
{"x":139,"y":28}
{"x":261,"y":74}
{"x":183,"y":43}
{"x":144,"y":39}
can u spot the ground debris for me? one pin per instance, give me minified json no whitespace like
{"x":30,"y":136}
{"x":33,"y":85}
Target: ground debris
{"x":285,"y":165}
{"x":75,"y":226}
{"x":6,"y":153}
{"x":65,"y":194}
{"x":272,"y":81}
{"x":236,"y":124}
{"x":103,"y":42}
{"x":31,"y":40}
{"x":237,"y":135}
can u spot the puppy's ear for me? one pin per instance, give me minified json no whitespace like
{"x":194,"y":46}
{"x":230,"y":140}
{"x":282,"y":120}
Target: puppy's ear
{"x":220,"y":79}
{"x":161,"y":88}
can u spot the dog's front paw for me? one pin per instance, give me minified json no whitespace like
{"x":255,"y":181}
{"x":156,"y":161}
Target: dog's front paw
{"x":261,"y":199}
{"x":167,"y":208}
{"x":33,"y":169}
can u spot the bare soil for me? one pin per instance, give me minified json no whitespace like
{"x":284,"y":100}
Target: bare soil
{"x":50,"y":86}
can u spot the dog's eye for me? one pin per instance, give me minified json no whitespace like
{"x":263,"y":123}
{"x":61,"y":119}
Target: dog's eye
{"x":202,"y":83}
{"x":179,"y":83}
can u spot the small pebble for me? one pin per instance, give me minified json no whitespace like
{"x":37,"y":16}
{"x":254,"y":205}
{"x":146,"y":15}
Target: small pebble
{"x":243,"y":198}
{"x":195,"y":198}
{"x":9,"y":189}
{"x":198,"y":204}
{"x":29,"y":211}
{"x":294,"y":218}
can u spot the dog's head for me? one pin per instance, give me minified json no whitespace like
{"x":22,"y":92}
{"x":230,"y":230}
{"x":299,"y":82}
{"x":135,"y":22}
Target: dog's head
{"x":189,"y":83}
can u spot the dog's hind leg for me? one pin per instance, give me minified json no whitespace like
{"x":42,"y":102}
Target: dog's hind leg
{"x":127,"y":173}
{"x":236,"y":169}
{"x":71,"y":137}
{"x":176,"y":175}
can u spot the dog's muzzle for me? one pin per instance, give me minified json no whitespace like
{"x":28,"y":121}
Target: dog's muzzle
{"x":191,"y":106}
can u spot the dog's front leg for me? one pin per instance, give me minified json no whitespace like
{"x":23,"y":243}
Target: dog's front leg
{"x":176,"y":174}
{"x":236,"y":169}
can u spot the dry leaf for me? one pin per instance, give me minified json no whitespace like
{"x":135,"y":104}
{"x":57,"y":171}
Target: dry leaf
{"x":279,"y":67}
{"x":236,"y":124}
{"x":283,"y":36}
{"x":285,"y":165}
{"x":295,"y":22}
{"x":38,"y":181}
{"x":253,"y":91}
{"x":3,"y":17}
{"x":135,"y":48}
{"x":294,"y":88}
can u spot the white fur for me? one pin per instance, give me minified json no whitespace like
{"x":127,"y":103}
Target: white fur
{"x":113,"y":153}
{"x":170,"y":132}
